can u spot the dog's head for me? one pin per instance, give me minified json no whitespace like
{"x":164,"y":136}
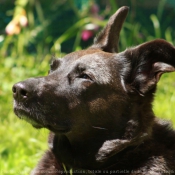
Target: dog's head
{"x":98,"y":92}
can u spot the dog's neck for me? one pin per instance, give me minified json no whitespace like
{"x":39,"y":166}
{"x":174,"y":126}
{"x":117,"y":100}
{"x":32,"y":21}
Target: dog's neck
{"x":87,"y":153}
{"x":91,"y":150}
{"x":75,"y":156}
{"x":81,"y":152}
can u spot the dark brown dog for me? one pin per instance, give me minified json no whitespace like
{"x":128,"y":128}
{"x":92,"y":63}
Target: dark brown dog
{"x":97,"y":103}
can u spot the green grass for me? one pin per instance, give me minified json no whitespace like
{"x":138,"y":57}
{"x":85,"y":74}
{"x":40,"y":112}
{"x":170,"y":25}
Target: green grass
{"x":165,"y":97}
{"x":21,"y":146}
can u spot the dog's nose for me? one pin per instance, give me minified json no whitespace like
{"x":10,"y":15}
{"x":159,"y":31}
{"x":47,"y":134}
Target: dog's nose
{"x":20,"y":92}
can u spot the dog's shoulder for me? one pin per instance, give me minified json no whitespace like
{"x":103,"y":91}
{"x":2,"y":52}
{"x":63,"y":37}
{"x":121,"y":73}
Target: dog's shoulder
{"x":164,"y":134}
{"x":154,"y":155}
{"x":161,"y":148}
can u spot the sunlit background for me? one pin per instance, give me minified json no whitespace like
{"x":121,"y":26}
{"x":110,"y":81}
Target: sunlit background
{"x":31,"y":31}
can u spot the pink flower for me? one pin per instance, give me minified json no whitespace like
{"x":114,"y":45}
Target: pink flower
{"x":18,"y":21}
{"x":86,"y":34}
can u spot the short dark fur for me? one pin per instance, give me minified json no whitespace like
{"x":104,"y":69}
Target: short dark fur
{"x":97,"y":103}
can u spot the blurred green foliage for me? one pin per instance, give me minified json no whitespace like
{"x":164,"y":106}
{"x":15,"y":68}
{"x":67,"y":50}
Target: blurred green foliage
{"x":56,"y":27}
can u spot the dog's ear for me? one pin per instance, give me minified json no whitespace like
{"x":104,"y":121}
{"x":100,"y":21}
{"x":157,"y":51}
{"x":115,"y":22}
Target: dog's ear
{"x":144,"y":64}
{"x":108,"y":39}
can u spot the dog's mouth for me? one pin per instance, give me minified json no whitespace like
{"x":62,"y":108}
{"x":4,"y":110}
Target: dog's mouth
{"x":36,"y":119}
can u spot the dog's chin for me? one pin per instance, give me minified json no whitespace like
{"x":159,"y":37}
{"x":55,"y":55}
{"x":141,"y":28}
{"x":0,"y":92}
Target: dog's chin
{"x":33,"y":123}
{"x":25,"y":114}
{"x":22,"y":115}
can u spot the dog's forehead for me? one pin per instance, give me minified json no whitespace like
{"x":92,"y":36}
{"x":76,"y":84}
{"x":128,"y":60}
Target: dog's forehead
{"x":89,"y":56}
{"x":94,"y":61}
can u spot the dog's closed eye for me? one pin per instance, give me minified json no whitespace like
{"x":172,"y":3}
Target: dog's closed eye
{"x":85,"y":76}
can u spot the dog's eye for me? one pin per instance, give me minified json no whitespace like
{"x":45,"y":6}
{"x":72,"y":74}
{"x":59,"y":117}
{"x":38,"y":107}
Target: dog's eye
{"x":84,"y":76}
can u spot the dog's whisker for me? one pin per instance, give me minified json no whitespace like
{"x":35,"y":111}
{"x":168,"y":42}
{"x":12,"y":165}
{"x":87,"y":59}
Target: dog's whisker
{"x":96,"y":127}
